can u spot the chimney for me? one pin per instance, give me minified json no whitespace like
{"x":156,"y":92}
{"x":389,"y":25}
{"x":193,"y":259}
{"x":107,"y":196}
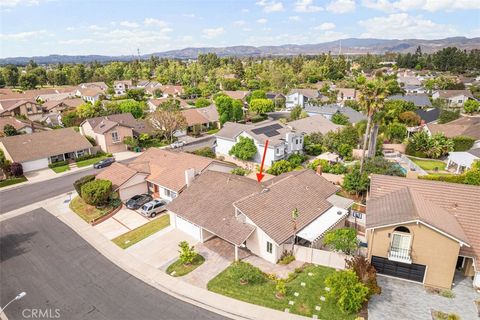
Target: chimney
{"x":319,"y":170}
{"x":189,"y":176}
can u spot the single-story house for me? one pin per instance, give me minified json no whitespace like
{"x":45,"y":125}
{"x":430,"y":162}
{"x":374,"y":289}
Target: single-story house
{"x":316,"y":123}
{"x":91,"y":95}
{"x":239,"y":95}
{"x":453,"y":97}
{"x":463,"y":159}
{"x":428,"y":115}
{"x":109,"y":131}
{"x":97,"y":85}
{"x":423,"y":230}
{"x":173,"y":91}
{"x":255,"y":216}
{"x":58,"y":106}
{"x":420,"y":99}
{"x":163,"y":173}
{"x":345,"y":94}
{"x":329,"y":110}
{"x":201,"y":119}
{"x":283,"y":140}
{"x":412,"y":89}
{"x":37,"y":150}
{"x":464,"y":126}
{"x":29,"y":108}
{"x":19,"y":125}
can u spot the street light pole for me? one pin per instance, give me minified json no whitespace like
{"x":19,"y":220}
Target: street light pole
{"x":17,"y":297}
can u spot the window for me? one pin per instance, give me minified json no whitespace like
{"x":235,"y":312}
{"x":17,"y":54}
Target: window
{"x":115,"y":137}
{"x":170,"y":194}
{"x":269,"y":247}
{"x":400,"y":245}
{"x":29,"y":108}
{"x":357,"y":215}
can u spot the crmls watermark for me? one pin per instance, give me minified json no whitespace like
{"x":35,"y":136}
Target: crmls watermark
{"x":41,"y":313}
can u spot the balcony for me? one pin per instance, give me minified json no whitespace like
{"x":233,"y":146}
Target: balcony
{"x":400,"y":255}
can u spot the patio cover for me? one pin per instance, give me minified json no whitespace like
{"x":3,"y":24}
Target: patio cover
{"x":322,"y":224}
{"x":462,"y":158}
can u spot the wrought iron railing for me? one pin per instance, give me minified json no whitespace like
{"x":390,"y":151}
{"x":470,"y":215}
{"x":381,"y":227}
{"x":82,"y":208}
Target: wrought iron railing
{"x":400,"y":254}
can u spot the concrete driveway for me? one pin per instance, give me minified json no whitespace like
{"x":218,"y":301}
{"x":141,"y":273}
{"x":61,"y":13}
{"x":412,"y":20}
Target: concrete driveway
{"x":160,"y":249}
{"x":122,"y":222}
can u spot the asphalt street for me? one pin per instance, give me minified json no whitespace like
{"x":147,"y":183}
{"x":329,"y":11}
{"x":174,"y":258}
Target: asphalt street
{"x":66,"y":277}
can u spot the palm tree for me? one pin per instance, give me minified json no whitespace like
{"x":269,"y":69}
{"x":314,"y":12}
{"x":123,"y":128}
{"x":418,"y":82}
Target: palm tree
{"x":294,"y":220}
{"x":372,"y":98}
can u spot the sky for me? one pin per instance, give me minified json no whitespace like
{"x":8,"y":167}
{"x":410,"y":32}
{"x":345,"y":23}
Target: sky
{"x":120,"y":27}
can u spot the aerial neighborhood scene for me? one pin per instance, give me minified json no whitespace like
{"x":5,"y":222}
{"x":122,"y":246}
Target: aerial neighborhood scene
{"x":263,"y":159}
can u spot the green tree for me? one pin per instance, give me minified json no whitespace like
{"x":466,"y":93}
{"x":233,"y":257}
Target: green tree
{"x":296,"y":112}
{"x":257,"y":94}
{"x":410,"y":118}
{"x":88,"y":110}
{"x":28,"y":81}
{"x":10,"y":130}
{"x":280,"y":167}
{"x":244,"y":149}
{"x":472,"y":176}
{"x":366,"y":273}
{"x":342,"y":240}
{"x":202,"y":102}
{"x":346,"y":290}
{"x":80,"y":182}
{"x":396,"y":132}
{"x":136,"y":94}
{"x":96,"y":192}
{"x":134,"y":107}
{"x":11,"y":75}
{"x":340,"y":118}
{"x":448,"y":116}
{"x":187,"y":253}
{"x":356,"y":182}
{"x":471,"y":106}
{"x":261,"y":106}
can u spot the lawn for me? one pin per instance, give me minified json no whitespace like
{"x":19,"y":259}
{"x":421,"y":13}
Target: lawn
{"x":227,"y":283}
{"x":86,"y":211}
{"x":9,"y":182}
{"x":430,"y":164}
{"x":181,"y":269}
{"x":213,"y":131}
{"x":130,"y":238}
{"x":61,"y":168}
{"x":89,"y":162}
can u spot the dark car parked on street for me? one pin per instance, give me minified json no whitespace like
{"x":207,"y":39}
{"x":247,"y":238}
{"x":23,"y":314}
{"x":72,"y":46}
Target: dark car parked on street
{"x":104,"y":163}
{"x":137,"y":201}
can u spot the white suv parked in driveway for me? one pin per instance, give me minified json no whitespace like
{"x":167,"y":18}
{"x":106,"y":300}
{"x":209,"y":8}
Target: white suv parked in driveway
{"x":152,"y":208}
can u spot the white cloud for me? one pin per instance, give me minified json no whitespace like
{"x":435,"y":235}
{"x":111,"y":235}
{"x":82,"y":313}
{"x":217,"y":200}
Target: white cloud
{"x":325,"y":26}
{"x":211,"y":33}
{"x":262,"y":21}
{"x":247,"y":29}
{"x":239,"y":23}
{"x":94,"y":27}
{"x":70,"y":28}
{"x":76,"y":41}
{"x":14,"y":3}
{"x":404,"y":26}
{"x":155,"y":22}
{"x":245,"y":10}
{"x":428,"y":5}
{"x":129,"y":24}
{"x":329,"y":36}
{"x":189,"y":15}
{"x":294,"y":18}
{"x":341,"y":6}
{"x":306,"y":6}
{"x":270,"y":6}
{"x":22,"y":35}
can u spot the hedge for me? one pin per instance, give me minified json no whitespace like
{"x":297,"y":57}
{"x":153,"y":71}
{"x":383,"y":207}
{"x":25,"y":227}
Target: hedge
{"x":91,"y":156}
{"x":80,"y":182}
{"x":96,"y":192}
{"x":58,"y":164}
{"x":462,"y":143}
{"x":445,"y":178}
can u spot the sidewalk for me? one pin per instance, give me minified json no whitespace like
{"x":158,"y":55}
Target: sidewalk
{"x":179,"y":289}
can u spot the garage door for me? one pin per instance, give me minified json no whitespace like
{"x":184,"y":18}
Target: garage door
{"x":127,"y":193}
{"x":188,"y":227}
{"x":35,"y":165}
{"x":414,"y":272}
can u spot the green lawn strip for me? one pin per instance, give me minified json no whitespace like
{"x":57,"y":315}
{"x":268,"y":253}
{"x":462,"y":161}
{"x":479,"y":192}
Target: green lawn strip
{"x":9,"y":182}
{"x":226,"y":283}
{"x":213,"y":131}
{"x":61,"y":168}
{"x":86,"y":211}
{"x":130,"y":238}
{"x":181,"y":269}
{"x":429,"y":165}
{"x":88,"y":162}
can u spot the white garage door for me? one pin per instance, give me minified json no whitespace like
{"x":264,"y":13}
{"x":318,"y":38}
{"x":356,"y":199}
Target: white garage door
{"x":127,"y":193}
{"x":35,"y":165}
{"x":188,"y":227}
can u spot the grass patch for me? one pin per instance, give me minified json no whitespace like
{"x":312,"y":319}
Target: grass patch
{"x":429,"y":165}
{"x":86,"y":211}
{"x":263,"y":292}
{"x":213,"y":131}
{"x":136,"y":235}
{"x":61,"y":168}
{"x":9,"y":182}
{"x":89,"y":162}
{"x":182,"y":269}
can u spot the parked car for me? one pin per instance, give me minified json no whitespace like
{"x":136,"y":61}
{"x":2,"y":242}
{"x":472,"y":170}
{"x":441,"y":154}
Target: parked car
{"x":178,"y":144}
{"x":152,"y":208}
{"x":137,"y":201}
{"x":104,"y":163}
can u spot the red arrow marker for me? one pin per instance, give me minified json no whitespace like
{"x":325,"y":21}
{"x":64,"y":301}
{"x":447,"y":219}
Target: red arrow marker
{"x":260,"y":175}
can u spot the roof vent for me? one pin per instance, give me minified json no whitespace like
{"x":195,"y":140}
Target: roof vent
{"x":339,"y":212}
{"x":265,"y":190}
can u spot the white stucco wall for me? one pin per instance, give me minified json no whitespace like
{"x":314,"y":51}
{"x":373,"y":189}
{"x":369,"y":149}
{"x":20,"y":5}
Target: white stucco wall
{"x":257,"y":244}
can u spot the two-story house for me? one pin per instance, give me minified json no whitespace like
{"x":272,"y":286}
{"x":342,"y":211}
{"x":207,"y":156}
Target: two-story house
{"x":28,"y":108}
{"x":454,"y":98}
{"x":301,"y":96}
{"x":121,"y":87}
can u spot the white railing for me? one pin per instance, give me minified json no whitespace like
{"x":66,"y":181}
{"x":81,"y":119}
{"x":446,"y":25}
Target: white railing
{"x":400,"y":255}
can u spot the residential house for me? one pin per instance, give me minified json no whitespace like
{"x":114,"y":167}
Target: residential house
{"x":237,"y":95}
{"x":59,"y":106}
{"x":257,"y":217}
{"x":171,"y":91}
{"x":454,"y":98}
{"x":278,"y":99}
{"x":91,"y":95}
{"x":463,"y":159}
{"x":414,"y":89}
{"x":408,"y":78}
{"x":121,"y":87}
{"x":59,"y":94}
{"x":428,"y":115}
{"x":28,"y":108}
{"x":20,"y":125}
{"x":300,"y":97}
{"x":100,"y":85}
{"x":153,"y":104}
{"x":346,"y":94}
{"x":464,"y":126}
{"x":201,"y":119}
{"x":52,"y":120}
{"x":421,"y":100}
{"x":316,"y":123}
{"x":423,"y":230}
{"x":110,"y":131}
{"x":282,"y":140}
{"x":37,"y":150}
{"x":163,"y":173}
{"x":329,"y":110}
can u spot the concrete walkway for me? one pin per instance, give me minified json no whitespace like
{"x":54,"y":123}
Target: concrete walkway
{"x":122,"y":222}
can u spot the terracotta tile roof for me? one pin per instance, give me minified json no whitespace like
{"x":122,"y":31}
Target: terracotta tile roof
{"x":39,"y":145}
{"x":117,"y":173}
{"x":207,"y":202}
{"x":459,"y":200}
{"x":271,"y":209}
{"x":193,"y":117}
{"x":17,"y":124}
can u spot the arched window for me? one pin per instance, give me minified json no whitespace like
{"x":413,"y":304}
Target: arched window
{"x":402,"y":229}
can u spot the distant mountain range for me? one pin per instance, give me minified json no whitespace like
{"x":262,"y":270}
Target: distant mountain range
{"x":350,"y":46}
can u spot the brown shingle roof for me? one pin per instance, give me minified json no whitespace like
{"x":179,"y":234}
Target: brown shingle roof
{"x":17,"y":124}
{"x":459,"y":200}
{"x":312,"y":124}
{"x":208,"y":203}
{"x":103,"y":124}
{"x":465,"y":126}
{"x":117,"y":173}
{"x":453,"y":93}
{"x":271,"y":209}
{"x":193,"y":117}
{"x":44,"y":144}
{"x":237,"y":94}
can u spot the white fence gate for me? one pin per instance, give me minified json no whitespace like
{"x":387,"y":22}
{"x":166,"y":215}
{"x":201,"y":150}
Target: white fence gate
{"x":321,"y":257}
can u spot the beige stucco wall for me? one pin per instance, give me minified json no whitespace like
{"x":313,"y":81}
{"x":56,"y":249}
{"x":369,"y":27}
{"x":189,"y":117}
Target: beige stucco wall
{"x":117,"y":146}
{"x":429,"y":247}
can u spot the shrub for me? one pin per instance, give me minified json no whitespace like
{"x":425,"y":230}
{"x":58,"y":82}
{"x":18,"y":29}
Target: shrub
{"x":410,"y":118}
{"x":205,"y":152}
{"x":312,"y":144}
{"x":445,"y":178}
{"x":280,"y":288}
{"x":462,"y":143}
{"x":244,"y":149}
{"x":366,"y":273}
{"x":336,"y":168}
{"x":57,"y":164}
{"x":286,"y":257}
{"x":258,"y":118}
{"x":340,"y":118}
{"x":296,"y":159}
{"x":471,"y":106}
{"x":447,"y":293}
{"x":187,"y":252}
{"x":342,"y":240}
{"x":356,"y":182}
{"x":202,"y":103}
{"x":239,"y":171}
{"x":96,"y":192}
{"x":296,"y":112}
{"x":91,"y":140}
{"x":280,"y":167}
{"x":447,"y":116}
{"x":347,"y":290}
{"x":16,"y":169}
{"x":245,"y":273}
{"x":396,"y":132}
{"x":261,"y":106}
{"x":80,"y":182}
